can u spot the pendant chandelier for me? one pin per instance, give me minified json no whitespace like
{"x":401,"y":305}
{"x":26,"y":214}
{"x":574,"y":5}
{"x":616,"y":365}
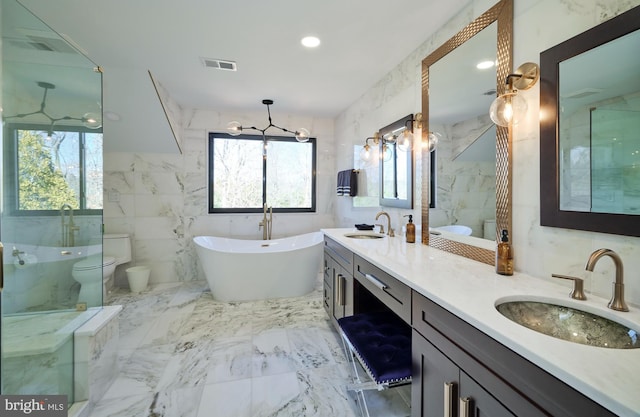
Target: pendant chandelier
{"x":89,"y":120}
{"x":235,"y":128}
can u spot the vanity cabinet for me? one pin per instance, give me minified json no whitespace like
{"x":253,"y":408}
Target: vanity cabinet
{"x":392,"y":293}
{"x":495,"y":380}
{"x":440,"y":387}
{"x":338,"y":281}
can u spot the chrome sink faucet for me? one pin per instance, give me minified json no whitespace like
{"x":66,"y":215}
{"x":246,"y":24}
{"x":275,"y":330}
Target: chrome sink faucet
{"x":617,"y":299}
{"x":390,"y":232}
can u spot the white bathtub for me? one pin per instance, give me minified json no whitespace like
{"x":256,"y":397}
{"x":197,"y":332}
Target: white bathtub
{"x":243,"y":270}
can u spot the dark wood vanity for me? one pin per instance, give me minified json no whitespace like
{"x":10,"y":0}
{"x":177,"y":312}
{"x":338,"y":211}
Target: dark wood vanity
{"x":455,"y":365}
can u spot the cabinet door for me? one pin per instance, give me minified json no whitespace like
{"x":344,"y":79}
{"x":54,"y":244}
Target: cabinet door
{"x":328,"y":284}
{"x":475,"y":401}
{"x":342,"y":292}
{"x":434,"y":388}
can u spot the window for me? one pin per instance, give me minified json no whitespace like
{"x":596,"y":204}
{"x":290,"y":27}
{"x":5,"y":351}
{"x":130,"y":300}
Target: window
{"x":245,"y":172}
{"x":49,"y":170}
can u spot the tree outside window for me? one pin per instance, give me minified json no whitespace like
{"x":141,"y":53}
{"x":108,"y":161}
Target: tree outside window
{"x":49,"y":170}
{"x":246,"y":172}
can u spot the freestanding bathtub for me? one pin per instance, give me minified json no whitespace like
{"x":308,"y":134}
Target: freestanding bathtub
{"x":243,"y":270}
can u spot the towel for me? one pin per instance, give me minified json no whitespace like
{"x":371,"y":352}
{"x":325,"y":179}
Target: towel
{"x":347,"y":183}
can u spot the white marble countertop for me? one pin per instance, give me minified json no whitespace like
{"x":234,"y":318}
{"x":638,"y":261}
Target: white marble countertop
{"x":471,"y":290}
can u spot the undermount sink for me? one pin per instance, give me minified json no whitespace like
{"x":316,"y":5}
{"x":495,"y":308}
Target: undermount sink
{"x":570,"y":324}
{"x":364,"y":235}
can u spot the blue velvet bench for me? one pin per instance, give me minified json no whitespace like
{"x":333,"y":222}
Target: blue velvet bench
{"x":381,"y":342}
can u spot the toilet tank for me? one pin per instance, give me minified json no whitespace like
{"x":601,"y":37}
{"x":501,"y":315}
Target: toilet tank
{"x":118,"y":246}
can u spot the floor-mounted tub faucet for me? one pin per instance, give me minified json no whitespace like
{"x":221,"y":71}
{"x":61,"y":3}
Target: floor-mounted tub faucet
{"x":617,"y":298}
{"x":69,"y":228}
{"x":266,"y":223}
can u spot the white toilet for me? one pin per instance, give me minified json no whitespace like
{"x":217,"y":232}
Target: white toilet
{"x":116,"y":251}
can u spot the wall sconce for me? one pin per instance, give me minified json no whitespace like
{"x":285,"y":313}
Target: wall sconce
{"x":365,"y":153}
{"x":510,"y":108}
{"x":433,"y":139}
{"x":405,"y":141}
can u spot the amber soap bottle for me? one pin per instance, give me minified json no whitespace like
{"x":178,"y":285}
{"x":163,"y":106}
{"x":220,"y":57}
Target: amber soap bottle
{"x":411,"y":230}
{"x":504,"y":256}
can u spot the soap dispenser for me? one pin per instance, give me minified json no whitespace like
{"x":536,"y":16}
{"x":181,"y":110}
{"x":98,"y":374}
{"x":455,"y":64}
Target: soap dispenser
{"x":411,"y":230}
{"x":504,"y":255}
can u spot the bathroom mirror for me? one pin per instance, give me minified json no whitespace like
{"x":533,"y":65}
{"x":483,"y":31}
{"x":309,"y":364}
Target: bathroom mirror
{"x":589,"y":132}
{"x":396,"y":165}
{"x":459,"y":91}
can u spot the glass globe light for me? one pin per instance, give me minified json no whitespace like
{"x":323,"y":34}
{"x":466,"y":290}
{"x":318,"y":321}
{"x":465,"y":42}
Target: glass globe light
{"x":92,"y":121}
{"x":387,"y":153}
{"x":404,"y":143}
{"x":507,"y":109}
{"x":433,"y":139}
{"x":234,"y":128}
{"x":365,"y":153}
{"x":302,"y":135}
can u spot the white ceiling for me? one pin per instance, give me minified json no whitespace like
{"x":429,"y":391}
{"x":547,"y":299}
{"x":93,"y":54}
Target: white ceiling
{"x":361,"y":42}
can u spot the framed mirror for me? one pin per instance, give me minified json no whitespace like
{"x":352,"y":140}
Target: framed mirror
{"x":590,"y":132}
{"x":456,"y":97}
{"x":396,"y":164}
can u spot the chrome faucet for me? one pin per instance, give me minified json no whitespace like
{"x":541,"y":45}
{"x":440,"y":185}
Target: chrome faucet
{"x":617,"y":299}
{"x":69,"y":228}
{"x":390,"y":232}
{"x":266,"y":223}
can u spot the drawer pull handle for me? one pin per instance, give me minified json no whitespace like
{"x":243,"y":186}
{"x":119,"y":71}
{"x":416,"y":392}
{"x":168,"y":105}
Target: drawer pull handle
{"x":448,"y":399}
{"x":375,"y":281}
{"x":464,"y":407}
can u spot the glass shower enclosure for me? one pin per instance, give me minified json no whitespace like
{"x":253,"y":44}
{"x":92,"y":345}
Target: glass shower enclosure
{"x":51,"y":203}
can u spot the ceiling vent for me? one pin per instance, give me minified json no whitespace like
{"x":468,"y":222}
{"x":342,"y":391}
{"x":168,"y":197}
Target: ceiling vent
{"x":219,"y":64}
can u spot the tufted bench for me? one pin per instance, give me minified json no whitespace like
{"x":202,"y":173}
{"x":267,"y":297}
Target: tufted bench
{"x":381,"y":342}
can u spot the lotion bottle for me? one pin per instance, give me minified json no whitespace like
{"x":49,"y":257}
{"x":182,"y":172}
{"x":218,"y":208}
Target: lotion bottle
{"x":411,"y":230}
{"x":504,"y":255}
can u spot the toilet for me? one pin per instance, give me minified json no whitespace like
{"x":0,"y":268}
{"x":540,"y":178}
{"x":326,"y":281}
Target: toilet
{"x":116,"y":251}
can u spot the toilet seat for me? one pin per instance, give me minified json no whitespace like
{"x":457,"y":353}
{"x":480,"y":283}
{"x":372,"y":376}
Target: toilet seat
{"x":94,"y":262}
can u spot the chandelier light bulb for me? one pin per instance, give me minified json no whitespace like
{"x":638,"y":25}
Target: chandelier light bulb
{"x":234,"y":128}
{"x":302,"y":135}
{"x":386,"y":153}
{"x":92,"y":121}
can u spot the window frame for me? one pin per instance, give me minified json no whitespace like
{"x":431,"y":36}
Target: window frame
{"x":245,"y":210}
{"x":10,"y":161}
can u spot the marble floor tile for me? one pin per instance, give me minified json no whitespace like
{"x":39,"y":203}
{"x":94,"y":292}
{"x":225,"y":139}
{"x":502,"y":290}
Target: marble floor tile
{"x":226,"y":399}
{"x":184,"y":354}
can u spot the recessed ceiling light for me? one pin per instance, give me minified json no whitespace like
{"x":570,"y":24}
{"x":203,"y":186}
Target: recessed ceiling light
{"x":310,"y":41}
{"x":485,"y":64}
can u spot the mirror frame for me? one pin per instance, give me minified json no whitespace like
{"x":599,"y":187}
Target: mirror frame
{"x":550,"y":213}
{"x":395,"y":202}
{"x":502,"y":13}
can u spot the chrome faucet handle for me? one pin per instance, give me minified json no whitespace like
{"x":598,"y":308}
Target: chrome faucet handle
{"x":578,"y":286}
{"x":381,"y":228}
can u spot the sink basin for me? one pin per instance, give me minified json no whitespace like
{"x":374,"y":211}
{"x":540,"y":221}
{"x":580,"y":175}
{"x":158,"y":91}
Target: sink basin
{"x":570,"y":324}
{"x":364,"y":235}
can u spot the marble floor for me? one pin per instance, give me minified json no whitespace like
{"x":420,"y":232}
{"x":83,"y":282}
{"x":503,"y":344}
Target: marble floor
{"x":182,"y":354}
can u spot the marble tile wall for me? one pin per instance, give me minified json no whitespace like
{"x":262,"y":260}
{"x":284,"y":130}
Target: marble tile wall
{"x":539,"y":251}
{"x":161,"y":199}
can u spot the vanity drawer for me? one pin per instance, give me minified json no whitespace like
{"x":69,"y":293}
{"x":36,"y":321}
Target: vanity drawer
{"x":393,"y":293}
{"x":338,"y":252}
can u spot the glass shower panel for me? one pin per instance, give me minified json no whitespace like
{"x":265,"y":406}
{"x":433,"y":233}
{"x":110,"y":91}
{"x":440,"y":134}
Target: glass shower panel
{"x":51,"y":203}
